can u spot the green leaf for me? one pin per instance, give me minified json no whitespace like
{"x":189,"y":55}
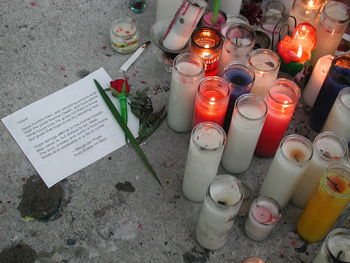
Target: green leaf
{"x":126,"y":130}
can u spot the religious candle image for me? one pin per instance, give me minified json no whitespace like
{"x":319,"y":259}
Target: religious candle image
{"x":203,"y":159}
{"x":286,"y":169}
{"x":207,"y":20}
{"x":239,"y":41}
{"x":296,"y":50}
{"x":338,"y":119}
{"x":247,"y":121}
{"x":221,"y":205}
{"x":263,"y":215}
{"x":336,"y":246}
{"x":184,"y":22}
{"x":231,"y":20}
{"x":281,"y":98}
{"x":328,"y":149}
{"x":306,"y":10}
{"x":316,"y":80}
{"x":337,"y":78}
{"x":330,"y":28}
{"x":266,"y":65}
{"x":206,"y":42}
{"x":188,"y":71}
{"x":211,"y":101}
{"x":325,"y":205}
{"x":231,"y":7}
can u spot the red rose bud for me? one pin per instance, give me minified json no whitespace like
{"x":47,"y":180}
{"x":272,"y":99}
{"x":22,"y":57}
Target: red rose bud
{"x":117,"y":85}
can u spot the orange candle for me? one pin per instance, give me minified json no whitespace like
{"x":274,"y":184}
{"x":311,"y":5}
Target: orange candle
{"x":325,"y":205}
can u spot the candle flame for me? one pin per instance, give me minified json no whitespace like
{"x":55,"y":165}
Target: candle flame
{"x":206,"y":46}
{"x":212,"y":101}
{"x":300,"y":51}
{"x":310,"y":4}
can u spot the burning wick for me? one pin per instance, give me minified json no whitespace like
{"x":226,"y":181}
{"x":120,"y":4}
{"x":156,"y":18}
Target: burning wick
{"x":335,"y":185}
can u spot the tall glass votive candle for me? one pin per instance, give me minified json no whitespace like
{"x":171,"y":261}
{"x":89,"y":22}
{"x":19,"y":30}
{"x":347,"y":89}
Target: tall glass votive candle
{"x":337,"y":78}
{"x":241,"y":78}
{"x":247,"y":121}
{"x":211,"y":100}
{"x":306,"y":10}
{"x":290,"y":162}
{"x":325,"y":205}
{"x":335,"y":248}
{"x":207,"y":43}
{"x":338,"y":119}
{"x":239,"y":41}
{"x":328,"y":149}
{"x":203,"y":159}
{"x":281,"y":98}
{"x":188,"y":71}
{"x":263,"y":215}
{"x":231,"y":20}
{"x":331,"y":26}
{"x":221,"y":205}
{"x":207,"y":20}
{"x":231,"y":7}
{"x":266,"y":65}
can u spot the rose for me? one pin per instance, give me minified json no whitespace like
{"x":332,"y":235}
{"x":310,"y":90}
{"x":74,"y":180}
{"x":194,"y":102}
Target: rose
{"x":117,"y":85}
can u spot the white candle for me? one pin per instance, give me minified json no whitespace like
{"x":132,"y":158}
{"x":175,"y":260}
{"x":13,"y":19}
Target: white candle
{"x":221,"y":205}
{"x":203,"y":159}
{"x":288,"y":165}
{"x":167,"y":8}
{"x":306,"y":10}
{"x":247,"y":121}
{"x":188,"y":70}
{"x":328,"y":149}
{"x":231,"y":7}
{"x":231,"y":20}
{"x":316,"y":80}
{"x":338,"y":119}
{"x":263,"y":215}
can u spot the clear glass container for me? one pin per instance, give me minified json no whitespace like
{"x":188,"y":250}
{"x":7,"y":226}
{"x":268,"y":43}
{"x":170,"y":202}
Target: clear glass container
{"x":273,"y":12}
{"x":220,"y":20}
{"x":307,"y":10}
{"x":138,"y":6}
{"x":124,"y":35}
{"x":231,"y":20}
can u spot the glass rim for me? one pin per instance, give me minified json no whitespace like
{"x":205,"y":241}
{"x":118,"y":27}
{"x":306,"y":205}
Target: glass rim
{"x":214,"y":31}
{"x":336,"y":138}
{"x":260,"y":100}
{"x":292,"y":85}
{"x":340,"y":57}
{"x":303,"y":140}
{"x":276,"y":2}
{"x":247,"y":28}
{"x":341,"y":99}
{"x":129,"y":20}
{"x":273,"y":202}
{"x":324,"y":178}
{"x":243,"y":66}
{"x":264,"y":51}
{"x":222,"y":80}
{"x":215,"y":126}
{"x":196,"y":57}
{"x":335,"y":3}
{"x":331,"y":234}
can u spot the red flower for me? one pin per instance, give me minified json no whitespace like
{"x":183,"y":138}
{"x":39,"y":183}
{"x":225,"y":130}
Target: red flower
{"x":117,"y":85}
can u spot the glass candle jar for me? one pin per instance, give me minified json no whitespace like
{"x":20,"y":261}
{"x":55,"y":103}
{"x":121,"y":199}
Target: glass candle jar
{"x":337,"y":78}
{"x":207,"y":43}
{"x":188,"y":70}
{"x":331,"y":26}
{"x":273,"y":12}
{"x":207,"y":20}
{"x":306,"y":10}
{"x":239,"y":41}
{"x":265,"y":64}
{"x":290,"y":162}
{"x":247,"y":121}
{"x":231,"y":7}
{"x":264,"y":214}
{"x":203,"y":159}
{"x":241,"y":79}
{"x":281,"y":98}
{"x":138,"y":6}
{"x":211,"y":101}
{"x":328,"y":149}
{"x":253,"y":260}
{"x":325,"y":204}
{"x":221,"y":205}
{"x":231,"y":20}
{"x":335,"y":249}
{"x":338,"y":119}
{"x":124,"y":34}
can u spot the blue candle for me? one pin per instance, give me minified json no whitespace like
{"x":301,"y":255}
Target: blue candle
{"x":337,"y":78}
{"x":240,"y":78}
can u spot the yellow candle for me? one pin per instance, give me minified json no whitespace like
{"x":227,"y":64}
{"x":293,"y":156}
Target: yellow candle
{"x":325,"y":205}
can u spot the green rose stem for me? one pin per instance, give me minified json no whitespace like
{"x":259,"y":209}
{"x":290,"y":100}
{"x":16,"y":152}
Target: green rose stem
{"x":126,"y":130}
{"x":216,"y":7}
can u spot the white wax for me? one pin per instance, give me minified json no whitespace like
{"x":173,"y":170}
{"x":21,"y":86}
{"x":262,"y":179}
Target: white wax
{"x":214,"y":223}
{"x":167,"y":8}
{"x":231,"y":7}
{"x":303,"y":14}
{"x":311,"y":177}
{"x":242,"y":138}
{"x":283,"y":177}
{"x":336,"y":244}
{"x":316,"y":80}
{"x":182,"y":95}
{"x":202,"y":163}
{"x":338,"y":119}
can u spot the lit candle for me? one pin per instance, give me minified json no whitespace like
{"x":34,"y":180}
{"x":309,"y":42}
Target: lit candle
{"x":167,"y":8}
{"x":263,"y":215}
{"x":338,"y":120}
{"x":220,"y":20}
{"x":325,"y":205}
{"x":336,"y":247}
{"x":231,"y":7}
{"x":287,"y":167}
{"x":188,"y":70}
{"x":211,"y":101}
{"x":207,"y":43}
{"x":253,"y":260}
{"x":306,"y":10}
{"x":265,"y":64}
{"x":281,"y":98}
{"x":203,"y":159}
{"x":328,"y":149}
{"x":247,"y":121}
{"x":222,"y":202}
{"x":331,"y":26}
{"x":316,"y":80}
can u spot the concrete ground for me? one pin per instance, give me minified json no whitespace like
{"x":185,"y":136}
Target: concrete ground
{"x":112,"y":210}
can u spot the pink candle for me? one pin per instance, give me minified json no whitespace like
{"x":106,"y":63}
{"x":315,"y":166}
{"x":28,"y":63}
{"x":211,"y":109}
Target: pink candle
{"x":262,"y":214}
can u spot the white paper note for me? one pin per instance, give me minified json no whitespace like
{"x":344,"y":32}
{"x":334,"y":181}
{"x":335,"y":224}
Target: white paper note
{"x":69,"y":129}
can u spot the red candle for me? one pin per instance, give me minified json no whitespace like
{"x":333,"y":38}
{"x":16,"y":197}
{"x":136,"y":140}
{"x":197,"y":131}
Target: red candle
{"x":281,"y":99}
{"x":211,"y":100}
